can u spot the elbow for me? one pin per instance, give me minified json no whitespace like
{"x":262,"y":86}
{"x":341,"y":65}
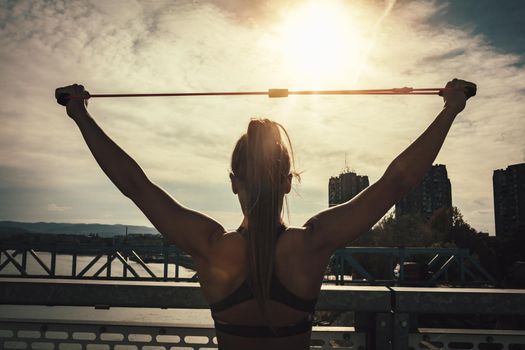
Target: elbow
{"x":400,"y":178}
{"x":128,"y":191}
{"x":133,"y":186}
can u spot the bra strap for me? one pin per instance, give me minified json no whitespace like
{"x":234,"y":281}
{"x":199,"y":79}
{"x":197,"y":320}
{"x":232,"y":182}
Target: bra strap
{"x":300,"y":327}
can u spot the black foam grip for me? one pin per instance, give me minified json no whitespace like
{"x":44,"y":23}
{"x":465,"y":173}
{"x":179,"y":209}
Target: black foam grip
{"x":470,"y":91}
{"x":63,"y":99}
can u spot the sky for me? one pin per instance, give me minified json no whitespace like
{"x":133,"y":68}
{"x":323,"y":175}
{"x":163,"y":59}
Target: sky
{"x":185,"y":144}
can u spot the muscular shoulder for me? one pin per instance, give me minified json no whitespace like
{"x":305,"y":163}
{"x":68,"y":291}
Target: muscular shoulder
{"x":295,"y":236}
{"x":305,"y":241}
{"x":294,"y":243}
{"x":228,"y":247}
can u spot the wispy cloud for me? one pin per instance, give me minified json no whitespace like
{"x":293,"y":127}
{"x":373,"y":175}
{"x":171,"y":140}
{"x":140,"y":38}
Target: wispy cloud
{"x":54,"y":207}
{"x":185,"y":144}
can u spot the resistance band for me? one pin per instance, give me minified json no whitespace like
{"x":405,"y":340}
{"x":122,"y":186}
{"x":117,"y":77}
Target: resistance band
{"x":468,"y":90}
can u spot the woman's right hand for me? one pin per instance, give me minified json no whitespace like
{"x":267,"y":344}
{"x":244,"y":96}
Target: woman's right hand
{"x":459,"y":92}
{"x":75,"y":107}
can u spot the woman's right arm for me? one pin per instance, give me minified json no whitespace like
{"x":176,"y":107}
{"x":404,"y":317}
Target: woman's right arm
{"x":337,"y":226}
{"x":190,"y":230}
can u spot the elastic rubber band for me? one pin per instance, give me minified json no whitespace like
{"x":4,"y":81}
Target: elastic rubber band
{"x":282,"y":93}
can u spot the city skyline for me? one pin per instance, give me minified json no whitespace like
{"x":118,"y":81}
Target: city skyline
{"x":184,"y":145}
{"x":509,"y":199}
{"x":345,"y":186}
{"x":433,"y":193}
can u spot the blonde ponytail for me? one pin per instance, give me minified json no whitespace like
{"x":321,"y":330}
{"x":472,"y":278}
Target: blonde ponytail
{"x":261,"y":161}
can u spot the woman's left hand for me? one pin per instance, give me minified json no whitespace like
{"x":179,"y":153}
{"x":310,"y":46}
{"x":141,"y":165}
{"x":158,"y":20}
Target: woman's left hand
{"x":75,"y":98}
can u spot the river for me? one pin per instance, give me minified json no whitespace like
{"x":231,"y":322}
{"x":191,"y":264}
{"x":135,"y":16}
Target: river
{"x":64,"y":314}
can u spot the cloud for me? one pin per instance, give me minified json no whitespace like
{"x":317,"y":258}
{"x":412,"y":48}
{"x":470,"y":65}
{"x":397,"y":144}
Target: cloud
{"x":185,"y":144}
{"x":54,"y":207}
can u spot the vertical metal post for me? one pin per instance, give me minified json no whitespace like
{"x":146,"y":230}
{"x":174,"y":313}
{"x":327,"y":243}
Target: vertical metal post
{"x":335,"y":269}
{"x":108,"y":268}
{"x":342,"y":269}
{"x":177,"y":261}
{"x":53,"y":262}
{"x":24,"y":260}
{"x":74,"y":265}
{"x":339,"y":271}
{"x":125,"y":266}
{"x":402,"y":264}
{"x":165,"y":251}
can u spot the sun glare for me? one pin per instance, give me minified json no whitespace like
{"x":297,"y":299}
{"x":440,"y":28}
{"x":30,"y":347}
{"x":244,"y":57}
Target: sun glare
{"x":320,"y":42}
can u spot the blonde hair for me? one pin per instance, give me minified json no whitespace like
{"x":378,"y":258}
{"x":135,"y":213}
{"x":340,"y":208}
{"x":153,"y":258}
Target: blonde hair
{"x":263,"y":162}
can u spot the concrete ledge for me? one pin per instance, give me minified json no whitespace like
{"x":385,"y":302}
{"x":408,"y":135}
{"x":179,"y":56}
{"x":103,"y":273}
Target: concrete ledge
{"x":459,"y":300}
{"x":355,"y":298}
{"x":449,"y":331}
{"x":67,"y":292}
{"x":58,"y":292}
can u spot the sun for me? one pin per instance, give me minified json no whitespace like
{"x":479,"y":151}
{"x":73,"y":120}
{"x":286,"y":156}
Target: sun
{"x":319,"y":41}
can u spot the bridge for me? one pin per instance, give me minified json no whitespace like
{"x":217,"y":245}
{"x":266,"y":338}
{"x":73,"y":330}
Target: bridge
{"x":388,"y":314}
{"x":347,"y":266}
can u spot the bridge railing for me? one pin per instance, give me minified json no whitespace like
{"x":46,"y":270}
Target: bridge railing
{"x":386,"y":317}
{"x":435,"y":265}
{"x":163,"y":263}
{"x":98,"y":262}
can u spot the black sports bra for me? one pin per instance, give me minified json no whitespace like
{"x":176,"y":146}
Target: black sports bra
{"x":279,"y":293}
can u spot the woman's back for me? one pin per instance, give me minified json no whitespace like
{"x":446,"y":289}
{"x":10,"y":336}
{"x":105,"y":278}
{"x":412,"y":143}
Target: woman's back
{"x":298,"y":278}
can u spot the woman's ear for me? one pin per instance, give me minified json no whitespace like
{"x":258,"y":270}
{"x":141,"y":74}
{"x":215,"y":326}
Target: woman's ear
{"x":288,"y":183}
{"x":235,"y":184}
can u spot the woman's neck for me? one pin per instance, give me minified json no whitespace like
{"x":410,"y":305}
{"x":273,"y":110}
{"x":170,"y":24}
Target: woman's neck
{"x":244,"y":222}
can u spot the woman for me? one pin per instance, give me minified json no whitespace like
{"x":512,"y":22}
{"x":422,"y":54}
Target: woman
{"x":262,"y":280}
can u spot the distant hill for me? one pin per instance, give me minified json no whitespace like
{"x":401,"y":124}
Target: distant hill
{"x":80,"y":229}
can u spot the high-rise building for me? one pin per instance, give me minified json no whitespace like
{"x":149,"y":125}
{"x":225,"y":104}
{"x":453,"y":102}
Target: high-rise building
{"x":509,"y":199}
{"x":433,"y":193}
{"x":344,"y":187}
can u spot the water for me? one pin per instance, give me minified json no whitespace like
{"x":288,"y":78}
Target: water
{"x":64,"y":263}
{"x":67,"y":313}
{"x":64,"y":314}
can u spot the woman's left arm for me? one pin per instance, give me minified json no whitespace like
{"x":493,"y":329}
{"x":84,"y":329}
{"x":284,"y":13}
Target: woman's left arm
{"x":190,"y":230}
